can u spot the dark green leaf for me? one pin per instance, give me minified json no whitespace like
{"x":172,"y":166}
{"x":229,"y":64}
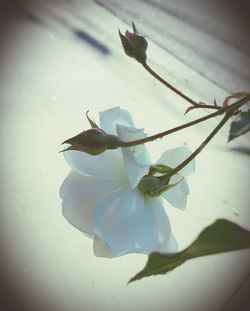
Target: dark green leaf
{"x":221,"y":236}
{"x":240,"y":125}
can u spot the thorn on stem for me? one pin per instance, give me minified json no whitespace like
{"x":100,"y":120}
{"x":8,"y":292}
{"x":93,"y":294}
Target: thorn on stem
{"x":189,"y":109}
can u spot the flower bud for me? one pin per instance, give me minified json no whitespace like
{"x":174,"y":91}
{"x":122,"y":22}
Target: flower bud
{"x":159,"y":169}
{"x":93,"y":141}
{"x":151,"y":185}
{"x":154,"y":186}
{"x":134,"y":45}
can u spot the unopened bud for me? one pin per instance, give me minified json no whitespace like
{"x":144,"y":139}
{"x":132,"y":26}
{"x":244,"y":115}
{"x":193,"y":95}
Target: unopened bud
{"x":93,"y":141}
{"x":159,"y":169}
{"x":155,"y":185}
{"x":134,"y":45}
{"x":151,"y":185}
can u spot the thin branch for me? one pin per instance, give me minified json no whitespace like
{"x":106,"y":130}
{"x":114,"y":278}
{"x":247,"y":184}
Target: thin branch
{"x":126,"y":144}
{"x":229,"y":113}
{"x":175,"y":90}
{"x":168,"y":132}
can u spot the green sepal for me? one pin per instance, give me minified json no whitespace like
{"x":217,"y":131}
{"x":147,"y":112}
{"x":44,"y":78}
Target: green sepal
{"x":159,"y":168}
{"x":154,"y":186}
{"x":91,"y":122}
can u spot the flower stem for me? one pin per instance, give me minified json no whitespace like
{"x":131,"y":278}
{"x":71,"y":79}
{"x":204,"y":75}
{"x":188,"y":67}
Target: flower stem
{"x":127,"y":144}
{"x":165,"y":133}
{"x":229,"y":113}
{"x":175,"y":90}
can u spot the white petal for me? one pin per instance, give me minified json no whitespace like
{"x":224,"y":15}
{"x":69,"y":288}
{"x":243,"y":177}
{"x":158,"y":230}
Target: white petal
{"x":110,"y":117}
{"x":100,"y":248}
{"x":134,"y":171}
{"x":129,"y":133}
{"x":177,"y":196}
{"x":128,"y":224}
{"x":105,"y":166}
{"x":80,"y":195}
{"x":170,"y":246}
{"x":173,"y":157}
{"x":140,"y":152}
{"x":136,"y":159}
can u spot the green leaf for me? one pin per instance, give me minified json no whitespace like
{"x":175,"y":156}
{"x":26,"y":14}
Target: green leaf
{"x":240,"y":125}
{"x":221,"y":236}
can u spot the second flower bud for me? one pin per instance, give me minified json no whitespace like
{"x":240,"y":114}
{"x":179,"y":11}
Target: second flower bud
{"x":93,"y":141}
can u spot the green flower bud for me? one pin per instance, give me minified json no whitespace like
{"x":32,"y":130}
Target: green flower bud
{"x":159,"y":168}
{"x":134,"y":45}
{"x":93,"y":141}
{"x":151,"y":185}
{"x":154,"y":186}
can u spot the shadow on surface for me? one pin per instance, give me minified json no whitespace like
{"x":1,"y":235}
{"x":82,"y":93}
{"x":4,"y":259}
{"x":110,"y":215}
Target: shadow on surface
{"x":242,"y":150}
{"x":85,"y":37}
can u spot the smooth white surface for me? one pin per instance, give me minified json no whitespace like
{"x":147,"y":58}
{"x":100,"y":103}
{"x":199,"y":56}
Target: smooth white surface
{"x":48,"y":81}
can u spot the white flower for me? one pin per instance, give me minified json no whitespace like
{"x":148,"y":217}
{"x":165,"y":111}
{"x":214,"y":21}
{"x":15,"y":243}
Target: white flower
{"x":177,"y":196}
{"x":101,"y":197}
